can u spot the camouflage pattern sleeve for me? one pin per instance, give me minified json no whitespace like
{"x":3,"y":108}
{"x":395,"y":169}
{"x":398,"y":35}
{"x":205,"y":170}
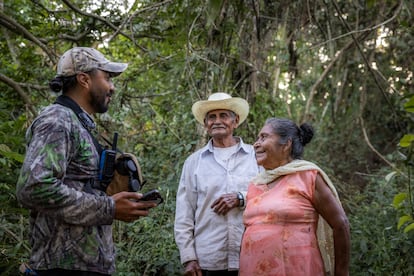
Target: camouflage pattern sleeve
{"x":60,"y":160}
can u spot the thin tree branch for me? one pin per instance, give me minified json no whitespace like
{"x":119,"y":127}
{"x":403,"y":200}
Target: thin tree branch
{"x":20,"y":91}
{"x":164,"y":121}
{"x":345,"y":23}
{"x":34,"y":86}
{"x":363,"y":100}
{"x":74,"y":38}
{"x":375,"y":150}
{"x":328,"y":68}
{"x":145,"y":96}
{"x":10,"y":45}
{"x":12,"y":25}
{"x":352,"y":32}
{"x":322,"y":76}
{"x":133,"y":15}
{"x":101,"y":19}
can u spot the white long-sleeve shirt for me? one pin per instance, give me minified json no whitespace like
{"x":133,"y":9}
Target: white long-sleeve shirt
{"x":200,"y":233}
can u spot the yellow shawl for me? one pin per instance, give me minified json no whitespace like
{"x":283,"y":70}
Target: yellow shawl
{"x":324,"y":231}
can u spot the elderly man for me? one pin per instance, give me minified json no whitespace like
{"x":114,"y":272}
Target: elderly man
{"x":212,"y":189}
{"x":71,"y":215}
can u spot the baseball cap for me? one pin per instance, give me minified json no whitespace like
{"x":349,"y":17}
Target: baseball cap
{"x":83,"y":59}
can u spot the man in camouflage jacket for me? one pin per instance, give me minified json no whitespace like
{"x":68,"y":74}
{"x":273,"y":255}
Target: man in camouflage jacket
{"x":71,"y":216}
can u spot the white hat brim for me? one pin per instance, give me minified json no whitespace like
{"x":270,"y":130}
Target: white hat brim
{"x":237,"y":105}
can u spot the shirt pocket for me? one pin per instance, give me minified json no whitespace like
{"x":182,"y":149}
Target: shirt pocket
{"x":209,"y":183}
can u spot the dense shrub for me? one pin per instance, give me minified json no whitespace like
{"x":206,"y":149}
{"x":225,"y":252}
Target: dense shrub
{"x":378,"y":248}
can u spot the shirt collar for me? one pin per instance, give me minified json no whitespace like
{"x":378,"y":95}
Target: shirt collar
{"x":209,"y":147}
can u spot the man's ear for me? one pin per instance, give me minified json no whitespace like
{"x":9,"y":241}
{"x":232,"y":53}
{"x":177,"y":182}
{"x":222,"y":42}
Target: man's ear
{"x":237,"y":120}
{"x":84,"y":80}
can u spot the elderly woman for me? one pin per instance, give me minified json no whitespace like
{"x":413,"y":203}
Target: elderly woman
{"x":295,"y":223}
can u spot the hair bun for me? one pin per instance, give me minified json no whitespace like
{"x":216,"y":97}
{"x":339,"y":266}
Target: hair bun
{"x":56,"y":84}
{"x":306,"y":133}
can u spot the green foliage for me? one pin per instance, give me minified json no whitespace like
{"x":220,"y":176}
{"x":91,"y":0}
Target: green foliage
{"x":377,"y":247}
{"x":272,"y":53}
{"x":403,"y":201}
{"x":267,"y":106}
{"x":147,"y":247}
{"x":13,"y":219}
{"x":407,"y":140}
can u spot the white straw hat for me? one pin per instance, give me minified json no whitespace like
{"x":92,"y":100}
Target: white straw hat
{"x":220,"y":100}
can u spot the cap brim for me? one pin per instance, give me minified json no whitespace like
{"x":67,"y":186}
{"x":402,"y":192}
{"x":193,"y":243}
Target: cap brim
{"x":115,"y":68}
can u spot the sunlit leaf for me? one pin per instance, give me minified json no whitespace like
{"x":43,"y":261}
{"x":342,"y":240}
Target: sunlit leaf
{"x":398,"y":199}
{"x":409,"y":106}
{"x":403,"y":220}
{"x":409,"y":228}
{"x":406,"y":140}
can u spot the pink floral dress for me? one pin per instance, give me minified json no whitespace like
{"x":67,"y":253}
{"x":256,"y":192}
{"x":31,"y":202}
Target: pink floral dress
{"x":280,"y":236}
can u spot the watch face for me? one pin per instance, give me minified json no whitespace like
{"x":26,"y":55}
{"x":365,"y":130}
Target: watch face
{"x":240,"y":198}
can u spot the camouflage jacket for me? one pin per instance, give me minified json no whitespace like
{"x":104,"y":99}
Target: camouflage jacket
{"x":70,"y":224}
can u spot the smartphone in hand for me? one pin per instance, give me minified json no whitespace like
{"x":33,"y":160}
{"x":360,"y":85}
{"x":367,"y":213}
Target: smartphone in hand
{"x":152,"y":196}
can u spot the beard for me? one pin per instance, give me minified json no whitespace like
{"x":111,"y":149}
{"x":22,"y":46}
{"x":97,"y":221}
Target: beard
{"x":99,"y":100}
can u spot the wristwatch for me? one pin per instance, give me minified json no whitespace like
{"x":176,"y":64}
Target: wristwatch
{"x":241,"y":199}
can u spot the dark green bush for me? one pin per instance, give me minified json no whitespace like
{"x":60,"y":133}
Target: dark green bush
{"x":378,"y":248}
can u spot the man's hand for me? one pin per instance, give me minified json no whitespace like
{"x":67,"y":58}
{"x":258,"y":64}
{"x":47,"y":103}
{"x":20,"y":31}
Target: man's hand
{"x":128,"y":207}
{"x":225,"y":203}
{"x":192,"y":268}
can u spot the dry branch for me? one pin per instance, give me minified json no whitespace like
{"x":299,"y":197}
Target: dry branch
{"x":375,"y":150}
